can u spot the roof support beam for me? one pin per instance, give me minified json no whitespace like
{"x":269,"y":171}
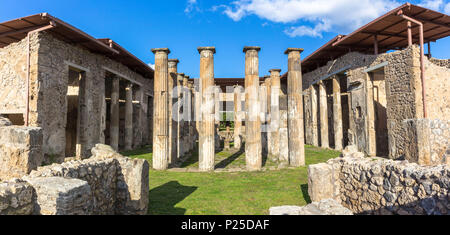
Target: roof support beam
{"x":25,"y":30}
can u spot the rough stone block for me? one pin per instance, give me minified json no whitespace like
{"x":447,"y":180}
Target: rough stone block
{"x":324,"y":207}
{"x":285,"y":210}
{"x":20,"y":151}
{"x":16,"y":198}
{"x":321,"y":182}
{"x":61,"y":196}
{"x":132,"y":186}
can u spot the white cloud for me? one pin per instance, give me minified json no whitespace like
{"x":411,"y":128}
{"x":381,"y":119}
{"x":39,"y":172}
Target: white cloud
{"x":447,"y":9}
{"x":341,"y":16}
{"x":191,"y":5}
{"x":151,"y":66}
{"x":432,"y":4}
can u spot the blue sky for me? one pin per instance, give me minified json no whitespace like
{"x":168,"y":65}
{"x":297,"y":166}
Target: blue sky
{"x":184,"y":25}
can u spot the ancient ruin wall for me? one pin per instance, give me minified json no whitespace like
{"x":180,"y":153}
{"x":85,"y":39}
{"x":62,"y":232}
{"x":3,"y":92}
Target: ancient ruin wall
{"x":437,"y":85}
{"x":440,"y":62}
{"x":431,"y":145}
{"x":107,"y":183}
{"x":20,"y":151}
{"x":379,"y":186}
{"x":53,"y":79}
{"x":403,"y":95}
{"x":13,"y":74}
{"x":16,"y":198}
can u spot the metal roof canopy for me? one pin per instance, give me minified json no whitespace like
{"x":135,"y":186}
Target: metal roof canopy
{"x":16,"y":30}
{"x":391,"y":34}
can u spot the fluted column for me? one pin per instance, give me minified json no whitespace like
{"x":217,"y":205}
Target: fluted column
{"x":274,"y":128}
{"x":323,"y":115}
{"x":161,"y":110}
{"x":295,"y":108}
{"x":337,"y":114}
{"x":237,"y":117}
{"x":114,"y":120}
{"x":172,"y":76}
{"x":206,"y":139}
{"x":129,"y":117}
{"x":181,"y":115}
{"x":253,"y":151}
{"x":314,"y":112}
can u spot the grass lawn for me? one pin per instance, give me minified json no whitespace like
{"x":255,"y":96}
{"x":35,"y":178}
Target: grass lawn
{"x":228,"y":193}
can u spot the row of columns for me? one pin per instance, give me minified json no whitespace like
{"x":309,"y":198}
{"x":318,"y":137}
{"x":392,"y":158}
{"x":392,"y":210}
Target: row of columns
{"x":114,"y":130}
{"x":323,"y":114}
{"x":206,"y":106}
{"x":173,"y":131}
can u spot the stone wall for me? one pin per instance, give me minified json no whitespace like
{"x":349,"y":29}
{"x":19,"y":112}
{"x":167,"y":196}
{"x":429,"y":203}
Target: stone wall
{"x":16,"y":198}
{"x":20,"y":151}
{"x":13,"y":75}
{"x":437,"y":87}
{"x":440,"y":62}
{"x":106,"y":183}
{"x":53,"y":77}
{"x":432,"y":143}
{"x":49,"y":74}
{"x":402,"y":86}
{"x":379,"y":186}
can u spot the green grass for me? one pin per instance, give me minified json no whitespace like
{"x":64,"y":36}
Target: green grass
{"x":240,"y":193}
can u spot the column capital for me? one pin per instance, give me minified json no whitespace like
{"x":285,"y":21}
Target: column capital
{"x":173,"y":63}
{"x":275,"y":70}
{"x":164,"y":50}
{"x":200,"y":49}
{"x":251,"y":48}
{"x":291,"y":49}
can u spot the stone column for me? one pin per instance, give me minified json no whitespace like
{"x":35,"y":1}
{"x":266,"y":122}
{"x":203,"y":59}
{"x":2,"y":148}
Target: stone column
{"x":206,"y":138}
{"x":172,"y":76}
{"x":217,"y":105}
{"x":192,"y":137}
{"x":284,"y":136}
{"x":253,"y":152}
{"x":314,"y":111}
{"x":274,"y":130}
{"x":323,"y":115}
{"x":337,"y":114}
{"x":129,"y":117}
{"x":295,"y":108}
{"x":268,"y":84}
{"x":237,"y":117}
{"x":161,"y":110}
{"x":262,"y":116}
{"x":217,"y":141}
{"x":181,"y":115}
{"x":114,"y":121}
{"x":186,"y":110}
{"x":141,"y":116}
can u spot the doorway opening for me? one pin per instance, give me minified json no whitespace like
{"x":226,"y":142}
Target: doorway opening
{"x":75,"y":102}
{"x":379,"y":111}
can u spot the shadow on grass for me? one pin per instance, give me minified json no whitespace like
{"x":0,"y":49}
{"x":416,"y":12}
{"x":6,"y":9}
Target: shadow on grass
{"x":304,"y":188}
{"x":224,"y":163}
{"x":193,"y":158}
{"x":162,"y":199}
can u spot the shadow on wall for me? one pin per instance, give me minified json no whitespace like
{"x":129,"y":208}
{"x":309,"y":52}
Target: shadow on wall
{"x":162,"y":199}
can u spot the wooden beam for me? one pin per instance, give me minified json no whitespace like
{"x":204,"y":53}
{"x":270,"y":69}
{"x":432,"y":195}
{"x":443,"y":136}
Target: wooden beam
{"x":24,"y":30}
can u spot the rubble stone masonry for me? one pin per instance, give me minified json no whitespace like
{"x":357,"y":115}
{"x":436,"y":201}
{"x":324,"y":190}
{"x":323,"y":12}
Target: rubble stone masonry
{"x":370,"y":185}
